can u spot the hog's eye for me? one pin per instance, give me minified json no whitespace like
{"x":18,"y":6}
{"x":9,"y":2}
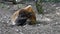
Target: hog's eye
{"x":30,"y":14}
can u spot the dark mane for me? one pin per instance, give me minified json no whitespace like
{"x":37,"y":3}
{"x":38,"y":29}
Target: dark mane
{"x":22,"y":14}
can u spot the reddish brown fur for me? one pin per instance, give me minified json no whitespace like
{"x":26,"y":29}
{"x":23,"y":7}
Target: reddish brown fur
{"x":27,"y":10}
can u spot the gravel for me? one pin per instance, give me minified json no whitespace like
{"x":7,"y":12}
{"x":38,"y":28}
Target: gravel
{"x":49,"y":23}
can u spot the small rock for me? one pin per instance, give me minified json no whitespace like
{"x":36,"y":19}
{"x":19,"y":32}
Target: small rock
{"x":39,"y":24}
{"x":2,"y":21}
{"x":57,"y":7}
{"x":21,"y":33}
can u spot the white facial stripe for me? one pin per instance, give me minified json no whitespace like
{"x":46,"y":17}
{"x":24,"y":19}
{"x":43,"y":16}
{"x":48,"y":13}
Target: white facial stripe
{"x":13,"y":23}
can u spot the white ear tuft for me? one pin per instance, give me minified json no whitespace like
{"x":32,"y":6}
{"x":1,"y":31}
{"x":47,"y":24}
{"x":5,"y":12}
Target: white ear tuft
{"x":28,"y":7}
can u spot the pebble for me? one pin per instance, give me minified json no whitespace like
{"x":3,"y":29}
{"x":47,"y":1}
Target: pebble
{"x":2,"y":21}
{"x":7,"y":21}
{"x":21,"y":33}
{"x":57,"y":7}
{"x":39,"y":24}
{"x":53,"y":5}
{"x":5,"y":17}
{"x":56,"y":22}
{"x":17,"y":30}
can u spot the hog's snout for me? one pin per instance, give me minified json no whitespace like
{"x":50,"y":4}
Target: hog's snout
{"x":20,"y":21}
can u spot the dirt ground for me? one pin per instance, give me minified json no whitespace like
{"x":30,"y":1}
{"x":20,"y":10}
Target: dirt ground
{"x":49,"y":23}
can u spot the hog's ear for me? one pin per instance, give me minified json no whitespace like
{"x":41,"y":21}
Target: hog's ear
{"x":29,"y":8}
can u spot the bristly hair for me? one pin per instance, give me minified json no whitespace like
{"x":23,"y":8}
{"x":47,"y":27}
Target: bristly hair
{"x":23,"y":11}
